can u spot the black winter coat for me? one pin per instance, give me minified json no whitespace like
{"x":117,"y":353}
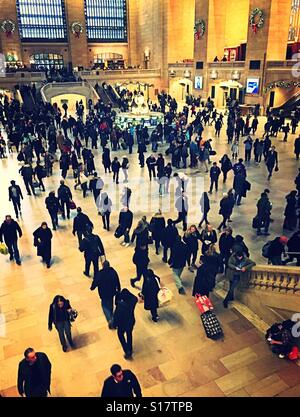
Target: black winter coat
{"x":108,"y":283}
{"x":25,"y":377}
{"x":169,"y":236}
{"x":179,"y":255}
{"x":42,"y":240}
{"x":10,"y":231}
{"x":150,"y":290}
{"x":157,"y":226}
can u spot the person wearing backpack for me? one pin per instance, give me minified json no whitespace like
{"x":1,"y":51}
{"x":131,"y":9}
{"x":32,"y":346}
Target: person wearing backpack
{"x":64,"y":197}
{"x":52,"y":205}
{"x":274,"y":249}
{"x":93,"y":249}
{"x":59,"y":315}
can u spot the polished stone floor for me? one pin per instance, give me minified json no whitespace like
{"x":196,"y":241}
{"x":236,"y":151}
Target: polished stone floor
{"x":171,"y":358}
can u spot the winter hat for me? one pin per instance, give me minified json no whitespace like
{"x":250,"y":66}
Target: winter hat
{"x":283,"y":239}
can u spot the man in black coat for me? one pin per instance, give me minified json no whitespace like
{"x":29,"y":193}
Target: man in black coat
{"x":9,"y":231}
{"x":93,"y":249}
{"x":271,"y":161}
{"x":168,"y":238}
{"x":226,"y":243}
{"x":108,"y":284}
{"x":297,"y":147}
{"x":124,"y":319}
{"x":121,"y":383}
{"x":96,"y":185}
{"x":177,"y":261}
{"x":27,"y":173}
{"x":264,"y":207}
{"x":34,"y":374}
{"x":239,"y":186}
{"x":214,"y":177}
{"x":182,"y":207}
{"x":81,"y":224}
{"x":125,"y":223}
{"x":15,"y":195}
{"x":151,"y":163}
{"x":64,"y":197}
{"x":52,"y":205}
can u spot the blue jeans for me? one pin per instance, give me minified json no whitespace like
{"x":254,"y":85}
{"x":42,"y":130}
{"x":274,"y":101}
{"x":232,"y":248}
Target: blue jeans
{"x":233,"y":284}
{"x":13,"y":250}
{"x":177,"y":274}
{"x":107,"y":307}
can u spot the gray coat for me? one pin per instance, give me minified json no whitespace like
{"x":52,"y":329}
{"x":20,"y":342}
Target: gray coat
{"x":247,"y":263}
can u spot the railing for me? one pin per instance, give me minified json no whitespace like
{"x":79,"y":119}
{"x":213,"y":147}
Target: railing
{"x":281,"y":279}
{"x":227,"y":65}
{"x":281,"y":64}
{"x":124,"y":72}
{"x":181,"y":65}
{"x":25,"y":75}
{"x":66,"y":85}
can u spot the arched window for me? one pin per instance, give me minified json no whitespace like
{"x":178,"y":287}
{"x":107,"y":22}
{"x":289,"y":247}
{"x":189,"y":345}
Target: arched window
{"x":106,"y":20}
{"x":42,"y":20}
{"x":295,"y":22}
{"x":41,"y":61}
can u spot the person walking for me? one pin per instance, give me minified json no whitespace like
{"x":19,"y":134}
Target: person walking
{"x":104,"y":209}
{"x":177,"y":261}
{"x":141,"y":233}
{"x":272,"y":161}
{"x":42,"y":241}
{"x":106,"y":160}
{"x":96,"y":185}
{"x":157,"y":226}
{"x":191,"y":238}
{"x":27,"y":173}
{"x":115,"y":167}
{"x":290,"y":212}
{"x":168,"y":238}
{"x":203,"y":157}
{"x":207,"y":237}
{"x":238,"y":267}
{"x":214,"y":177}
{"x":52,"y":205}
{"x":182,"y":207}
{"x":34,"y":374}
{"x":93,"y":249}
{"x":9,"y":232}
{"x":225,"y":211}
{"x":15,"y":195}
{"x":125,"y":166}
{"x":121,"y":383}
{"x":205,"y":207}
{"x":124,"y":320}
{"x":205,"y":279}
{"x":235,"y":149}
{"x":264,"y":207}
{"x":239,"y":186}
{"x":64,"y":164}
{"x":226,"y":166}
{"x":297,"y":147}
{"x":108,"y":283}
{"x":64,"y":196}
{"x":226,"y":243}
{"x":39,"y":173}
{"x":151,"y":163}
{"x":141,"y":261}
{"x":81,"y":225}
{"x":150,"y":290}
{"x":125,"y":224}
{"x":59,"y":315}
{"x":248,"y":148}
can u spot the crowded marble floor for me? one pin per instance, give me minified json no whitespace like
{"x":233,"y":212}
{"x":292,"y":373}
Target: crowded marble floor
{"x":172,"y":357}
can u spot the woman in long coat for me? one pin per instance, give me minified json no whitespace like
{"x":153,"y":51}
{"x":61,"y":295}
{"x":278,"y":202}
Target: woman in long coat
{"x":150,"y":289}
{"x":42,"y":240}
{"x":157,"y":226}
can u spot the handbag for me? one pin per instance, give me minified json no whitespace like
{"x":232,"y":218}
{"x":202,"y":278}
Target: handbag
{"x":203,"y":303}
{"x":3,"y":249}
{"x":72,"y":205}
{"x":212,"y":153}
{"x":164,"y":296}
{"x":73,"y":314}
{"x":256,"y":222}
{"x":276,"y":168}
{"x":294,"y":354}
{"x":35,"y":184}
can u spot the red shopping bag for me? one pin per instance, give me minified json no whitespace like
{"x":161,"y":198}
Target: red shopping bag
{"x":203,"y":303}
{"x":294,"y":354}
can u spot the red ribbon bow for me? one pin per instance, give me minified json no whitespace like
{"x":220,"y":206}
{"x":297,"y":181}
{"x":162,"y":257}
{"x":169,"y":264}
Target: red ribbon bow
{"x":254,"y":27}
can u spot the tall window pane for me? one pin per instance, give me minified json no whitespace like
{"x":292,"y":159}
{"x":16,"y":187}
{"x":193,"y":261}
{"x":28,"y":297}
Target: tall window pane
{"x":106,"y":20}
{"x":42,"y":19}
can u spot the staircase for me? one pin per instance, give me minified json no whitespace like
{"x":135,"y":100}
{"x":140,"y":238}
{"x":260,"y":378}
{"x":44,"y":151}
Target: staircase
{"x":28,"y":100}
{"x":271,"y":292}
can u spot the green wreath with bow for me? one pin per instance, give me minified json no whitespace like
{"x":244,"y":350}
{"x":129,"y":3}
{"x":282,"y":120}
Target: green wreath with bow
{"x":199,"y":28}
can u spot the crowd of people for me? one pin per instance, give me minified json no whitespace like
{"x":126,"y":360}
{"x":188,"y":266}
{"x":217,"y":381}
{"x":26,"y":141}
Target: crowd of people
{"x":49,"y":138}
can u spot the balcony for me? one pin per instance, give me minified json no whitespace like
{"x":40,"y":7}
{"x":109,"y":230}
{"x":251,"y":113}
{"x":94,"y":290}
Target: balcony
{"x":281,"y":64}
{"x":227,"y":65}
{"x":48,"y":91}
{"x":119,"y":75}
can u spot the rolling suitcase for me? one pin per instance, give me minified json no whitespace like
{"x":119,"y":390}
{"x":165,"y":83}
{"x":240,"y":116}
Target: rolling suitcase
{"x":210,"y":322}
{"x":211,"y":325}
